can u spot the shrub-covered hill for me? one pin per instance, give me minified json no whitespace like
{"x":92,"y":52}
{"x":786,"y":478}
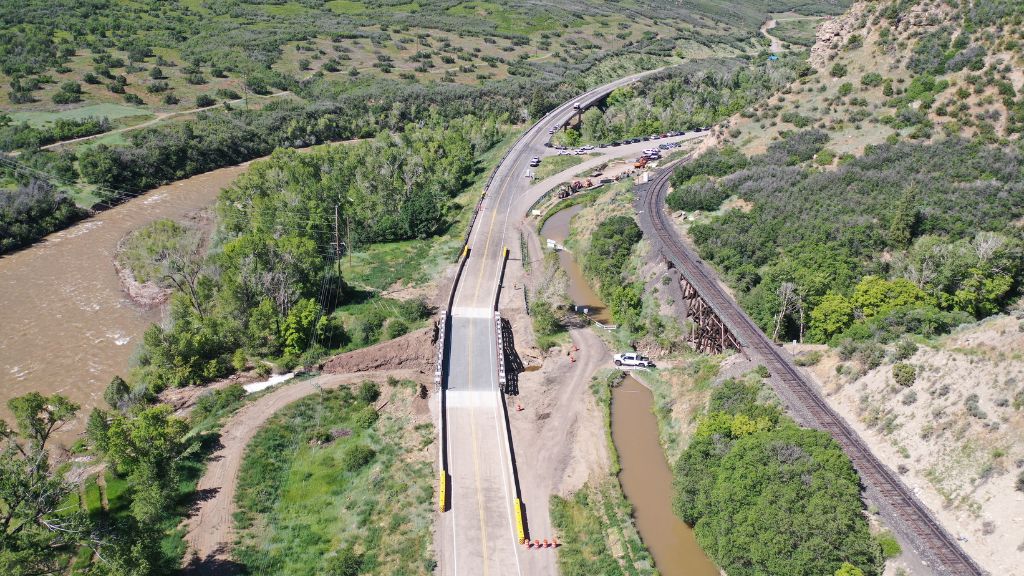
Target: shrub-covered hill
{"x":910,"y":237}
{"x":164,"y":55}
{"x":880,"y":192}
{"x":903,"y":69}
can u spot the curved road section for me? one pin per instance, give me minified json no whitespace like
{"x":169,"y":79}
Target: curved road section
{"x":902,"y":509}
{"x":479,"y":535}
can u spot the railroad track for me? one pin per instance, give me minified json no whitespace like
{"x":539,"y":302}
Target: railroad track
{"x":906,"y":513}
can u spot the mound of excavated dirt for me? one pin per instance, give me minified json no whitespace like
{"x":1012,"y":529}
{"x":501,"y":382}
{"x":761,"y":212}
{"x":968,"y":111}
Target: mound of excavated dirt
{"x":414,"y":351}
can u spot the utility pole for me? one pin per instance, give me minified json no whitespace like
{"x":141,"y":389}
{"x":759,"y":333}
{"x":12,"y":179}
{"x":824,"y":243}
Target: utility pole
{"x":337,"y":242}
{"x":348,"y":238}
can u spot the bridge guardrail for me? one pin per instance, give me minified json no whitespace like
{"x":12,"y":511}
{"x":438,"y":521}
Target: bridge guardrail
{"x":441,"y":381}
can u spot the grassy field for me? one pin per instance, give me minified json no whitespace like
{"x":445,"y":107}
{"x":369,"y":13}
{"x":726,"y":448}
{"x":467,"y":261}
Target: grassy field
{"x":126,"y":114}
{"x":799,"y":31}
{"x":325,"y":483}
{"x":554,"y":164}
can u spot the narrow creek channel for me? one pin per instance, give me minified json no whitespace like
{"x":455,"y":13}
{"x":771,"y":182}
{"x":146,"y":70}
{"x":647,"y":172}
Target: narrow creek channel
{"x":557,"y":228}
{"x":647,"y":483}
{"x":645,"y":477}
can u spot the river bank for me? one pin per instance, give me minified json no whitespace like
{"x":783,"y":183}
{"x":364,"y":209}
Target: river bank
{"x":69,"y":325}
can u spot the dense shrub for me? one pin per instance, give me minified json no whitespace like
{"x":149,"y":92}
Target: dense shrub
{"x":700,"y":193}
{"x":357,"y":456}
{"x":765,"y":496}
{"x":823,"y":231}
{"x":605,"y":260}
{"x":904,"y":374}
{"x":31,"y":211}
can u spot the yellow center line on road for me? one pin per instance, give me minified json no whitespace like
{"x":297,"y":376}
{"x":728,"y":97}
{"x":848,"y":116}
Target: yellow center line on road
{"x":472,"y":421}
{"x":476,"y":464}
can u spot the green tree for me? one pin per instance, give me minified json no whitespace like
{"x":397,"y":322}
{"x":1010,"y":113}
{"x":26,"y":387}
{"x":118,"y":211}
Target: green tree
{"x":848,"y":569}
{"x":116,"y":393}
{"x":982,"y":294}
{"x":572,"y":137}
{"x":904,"y":219}
{"x":303,"y":323}
{"x":96,"y":429}
{"x":874,"y":295}
{"x":36,"y":529}
{"x":830,"y":317}
{"x":593,"y":127}
{"x":147,"y":447}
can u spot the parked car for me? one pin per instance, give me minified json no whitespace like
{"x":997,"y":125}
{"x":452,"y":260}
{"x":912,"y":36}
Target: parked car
{"x":632,"y":359}
{"x":534,"y":162}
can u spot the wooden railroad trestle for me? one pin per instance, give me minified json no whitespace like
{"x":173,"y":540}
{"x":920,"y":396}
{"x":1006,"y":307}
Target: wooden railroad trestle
{"x":708,"y":333}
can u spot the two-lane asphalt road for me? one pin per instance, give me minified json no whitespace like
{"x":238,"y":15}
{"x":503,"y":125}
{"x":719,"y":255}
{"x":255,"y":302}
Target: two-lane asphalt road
{"x":479,"y":533}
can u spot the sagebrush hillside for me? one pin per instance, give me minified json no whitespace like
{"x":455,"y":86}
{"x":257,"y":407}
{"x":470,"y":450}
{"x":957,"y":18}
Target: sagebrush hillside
{"x":961,"y":448}
{"x":166,"y":56}
{"x":903,"y":70}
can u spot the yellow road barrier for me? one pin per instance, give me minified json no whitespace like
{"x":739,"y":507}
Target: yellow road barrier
{"x":520,"y":531}
{"x":443,"y":501}
{"x":506,"y":253}
{"x":465,"y":251}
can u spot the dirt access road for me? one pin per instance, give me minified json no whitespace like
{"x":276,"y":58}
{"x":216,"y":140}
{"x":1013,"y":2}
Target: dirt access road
{"x":160,"y":117}
{"x":210,"y":527}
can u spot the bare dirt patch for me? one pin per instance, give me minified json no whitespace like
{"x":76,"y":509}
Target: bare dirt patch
{"x":413,"y":351}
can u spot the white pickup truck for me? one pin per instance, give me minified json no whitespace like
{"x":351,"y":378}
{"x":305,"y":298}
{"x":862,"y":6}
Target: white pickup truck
{"x":631,"y":359}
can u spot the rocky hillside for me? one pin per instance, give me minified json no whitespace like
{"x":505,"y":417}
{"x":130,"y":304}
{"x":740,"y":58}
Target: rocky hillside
{"x":946,"y":414}
{"x":903,"y":69}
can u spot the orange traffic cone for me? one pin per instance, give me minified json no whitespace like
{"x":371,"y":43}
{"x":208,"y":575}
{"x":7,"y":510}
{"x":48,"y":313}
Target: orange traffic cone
{"x":519,"y":407}
{"x":546,"y":543}
{"x":536,"y":543}
{"x":573,"y":358}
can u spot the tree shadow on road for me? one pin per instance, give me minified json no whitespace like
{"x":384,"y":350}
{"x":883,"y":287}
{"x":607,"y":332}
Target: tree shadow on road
{"x":214,"y":565}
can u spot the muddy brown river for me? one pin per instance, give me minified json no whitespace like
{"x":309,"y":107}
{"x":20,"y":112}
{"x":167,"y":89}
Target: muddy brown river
{"x":67,"y":325}
{"x":647,"y":482}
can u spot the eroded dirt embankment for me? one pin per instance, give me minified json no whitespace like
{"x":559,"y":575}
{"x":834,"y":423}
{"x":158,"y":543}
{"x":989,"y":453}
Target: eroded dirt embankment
{"x":413,"y":351}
